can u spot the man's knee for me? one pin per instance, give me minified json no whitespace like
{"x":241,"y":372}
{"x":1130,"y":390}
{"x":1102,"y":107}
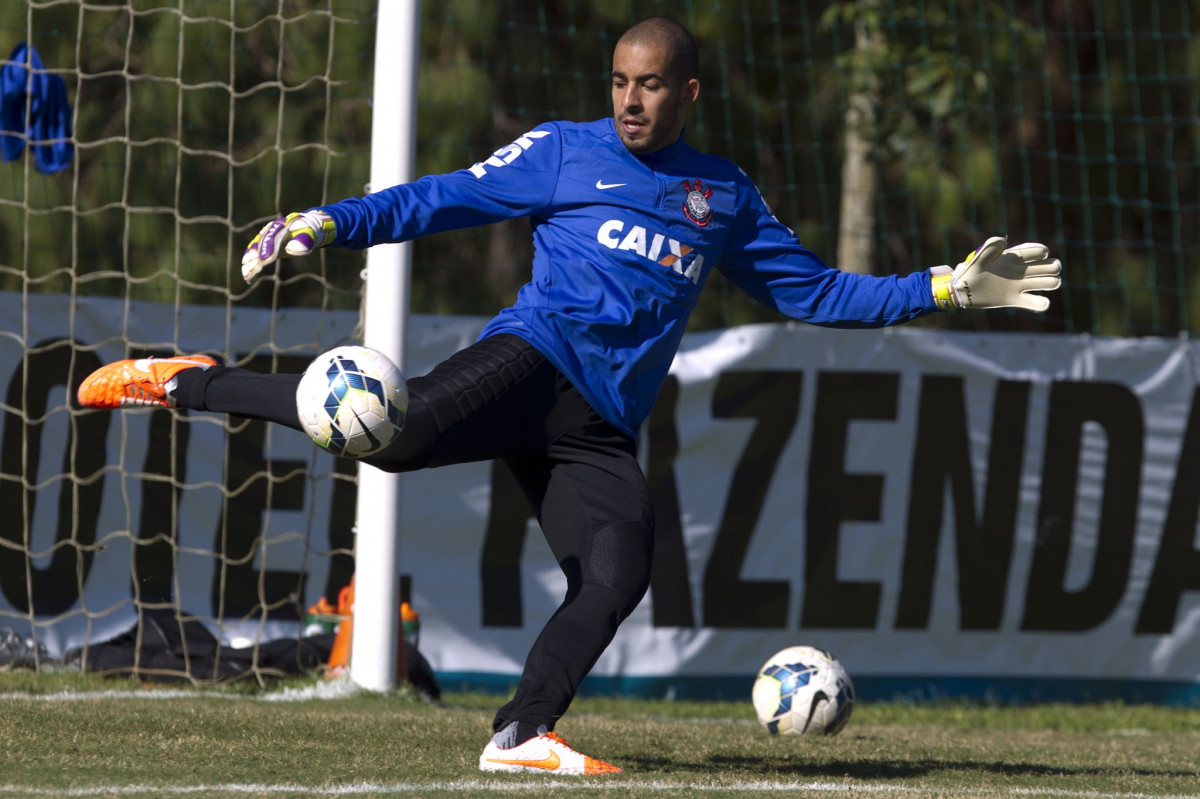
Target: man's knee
{"x":620,"y":559}
{"x":413,"y":449}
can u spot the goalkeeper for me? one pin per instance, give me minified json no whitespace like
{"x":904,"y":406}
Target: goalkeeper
{"x":628,"y":222}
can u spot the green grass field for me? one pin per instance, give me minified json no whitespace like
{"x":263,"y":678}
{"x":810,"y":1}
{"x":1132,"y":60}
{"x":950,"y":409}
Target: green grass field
{"x":70,"y":735}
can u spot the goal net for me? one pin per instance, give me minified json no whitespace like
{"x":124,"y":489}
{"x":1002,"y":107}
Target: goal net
{"x":190,"y":125}
{"x":194,"y":122}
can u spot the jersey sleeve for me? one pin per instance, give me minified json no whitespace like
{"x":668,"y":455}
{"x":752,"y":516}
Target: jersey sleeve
{"x":764,"y":258}
{"x":518,"y":180}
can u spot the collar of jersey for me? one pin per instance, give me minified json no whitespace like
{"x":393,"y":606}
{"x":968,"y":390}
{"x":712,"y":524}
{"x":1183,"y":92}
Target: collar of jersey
{"x":666,"y":153}
{"x":658,"y":156}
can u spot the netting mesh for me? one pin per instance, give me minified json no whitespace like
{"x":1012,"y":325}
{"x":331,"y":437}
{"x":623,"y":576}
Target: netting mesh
{"x":192,"y":126}
{"x":1068,"y":122}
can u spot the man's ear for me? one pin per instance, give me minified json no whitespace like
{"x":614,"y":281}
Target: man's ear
{"x":691,"y":90}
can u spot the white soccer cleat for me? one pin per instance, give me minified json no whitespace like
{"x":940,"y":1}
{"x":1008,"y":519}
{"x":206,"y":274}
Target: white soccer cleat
{"x":546,"y":753}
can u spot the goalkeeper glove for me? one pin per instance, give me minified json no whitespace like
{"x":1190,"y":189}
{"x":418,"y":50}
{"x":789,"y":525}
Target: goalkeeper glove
{"x":294,"y":234}
{"x":998,"y":276}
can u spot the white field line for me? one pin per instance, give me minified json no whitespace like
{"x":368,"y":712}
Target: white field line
{"x":558,"y":785}
{"x":336,"y":689}
{"x":326,"y":689}
{"x":331,"y":689}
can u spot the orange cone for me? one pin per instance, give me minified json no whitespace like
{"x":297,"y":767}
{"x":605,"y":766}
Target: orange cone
{"x":339,"y":656}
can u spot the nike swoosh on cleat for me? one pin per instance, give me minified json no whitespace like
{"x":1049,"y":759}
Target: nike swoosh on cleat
{"x":550,"y":762}
{"x":602,"y":185}
{"x":142,"y":364}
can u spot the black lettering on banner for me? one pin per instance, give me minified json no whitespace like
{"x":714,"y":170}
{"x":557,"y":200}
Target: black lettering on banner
{"x":341,"y":529}
{"x":253,"y":487}
{"x":983,"y":543}
{"x":166,"y":470}
{"x":54,"y":588}
{"x":835,"y":496}
{"x":1049,"y":606}
{"x":772,"y":400}
{"x":1177,"y":567}
{"x":670,"y":585}
{"x":500,"y":565}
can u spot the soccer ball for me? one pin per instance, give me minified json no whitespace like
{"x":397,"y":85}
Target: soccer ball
{"x":803,"y":690}
{"x":352,"y":401}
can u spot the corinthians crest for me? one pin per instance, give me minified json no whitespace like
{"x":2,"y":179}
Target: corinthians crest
{"x":695,"y":204}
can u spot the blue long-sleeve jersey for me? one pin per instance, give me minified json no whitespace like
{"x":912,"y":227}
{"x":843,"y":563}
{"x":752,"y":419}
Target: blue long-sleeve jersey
{"x":623,"y":245}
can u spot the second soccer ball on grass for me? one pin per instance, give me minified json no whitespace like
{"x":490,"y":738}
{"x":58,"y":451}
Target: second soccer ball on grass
{"x":352,"y":401}
{"x":803,"y":690}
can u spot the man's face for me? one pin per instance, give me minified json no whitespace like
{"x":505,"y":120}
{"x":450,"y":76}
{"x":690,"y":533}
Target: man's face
{"x":649,"y":103}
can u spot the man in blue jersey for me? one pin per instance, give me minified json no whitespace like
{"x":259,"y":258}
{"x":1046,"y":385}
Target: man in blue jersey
{"x":628,"y":222}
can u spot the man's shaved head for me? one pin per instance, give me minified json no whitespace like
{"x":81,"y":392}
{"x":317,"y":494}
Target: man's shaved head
{"x":660,"y":32}
{"x":653,"y":83}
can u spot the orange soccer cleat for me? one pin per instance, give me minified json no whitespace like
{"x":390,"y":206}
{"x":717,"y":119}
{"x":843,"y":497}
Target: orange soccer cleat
{"x":141,"y":381}
{"x":546,"y":753}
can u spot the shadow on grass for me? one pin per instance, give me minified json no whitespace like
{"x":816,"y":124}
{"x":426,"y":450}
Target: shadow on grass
{"x":885,"y":770}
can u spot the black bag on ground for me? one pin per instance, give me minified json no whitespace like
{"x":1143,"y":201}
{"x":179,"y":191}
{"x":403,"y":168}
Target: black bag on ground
{"x":177,"y":650}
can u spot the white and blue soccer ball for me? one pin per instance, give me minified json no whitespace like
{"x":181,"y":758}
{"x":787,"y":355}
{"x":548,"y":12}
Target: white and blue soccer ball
{"x":803,"y":690}
{"x":352,"y":401}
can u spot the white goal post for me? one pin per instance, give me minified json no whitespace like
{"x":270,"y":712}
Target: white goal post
{"x":191,"y":125}
{"x":376,"y":641}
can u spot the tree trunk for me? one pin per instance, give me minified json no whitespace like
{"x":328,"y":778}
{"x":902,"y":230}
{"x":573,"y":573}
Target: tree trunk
{"x":856,"y":230}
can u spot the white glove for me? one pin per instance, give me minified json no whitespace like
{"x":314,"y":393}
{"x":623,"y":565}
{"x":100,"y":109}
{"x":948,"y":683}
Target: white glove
{"x":998,"y":276}
{"x":294,"y":234}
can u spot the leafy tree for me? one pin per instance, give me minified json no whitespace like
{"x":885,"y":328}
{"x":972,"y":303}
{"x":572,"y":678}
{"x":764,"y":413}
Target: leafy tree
{"x":195,"y":122}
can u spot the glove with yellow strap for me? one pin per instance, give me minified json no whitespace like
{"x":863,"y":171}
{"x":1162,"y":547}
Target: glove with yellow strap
{"x":294,"y":234}
{"x":998,"y":276}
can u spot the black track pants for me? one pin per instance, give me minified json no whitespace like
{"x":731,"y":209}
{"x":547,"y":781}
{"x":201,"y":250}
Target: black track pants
{"x":501,"y":399}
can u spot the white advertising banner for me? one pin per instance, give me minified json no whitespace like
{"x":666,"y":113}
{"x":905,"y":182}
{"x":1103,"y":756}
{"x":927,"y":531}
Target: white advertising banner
{"x":949,"y":512}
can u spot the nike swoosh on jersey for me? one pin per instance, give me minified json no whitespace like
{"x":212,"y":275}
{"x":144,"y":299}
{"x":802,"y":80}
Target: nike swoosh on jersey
{"x":602,"y":185}
{"x":549,"y":762}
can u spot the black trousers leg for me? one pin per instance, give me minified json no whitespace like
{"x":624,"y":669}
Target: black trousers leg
{"x":594,"y":508}
{"x":496,"y":398}
{"x":501,"y":399}
{"x":270,"y":397}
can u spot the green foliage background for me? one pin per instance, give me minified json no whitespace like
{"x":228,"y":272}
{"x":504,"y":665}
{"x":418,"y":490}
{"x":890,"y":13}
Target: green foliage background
{"x":1068,"y":122}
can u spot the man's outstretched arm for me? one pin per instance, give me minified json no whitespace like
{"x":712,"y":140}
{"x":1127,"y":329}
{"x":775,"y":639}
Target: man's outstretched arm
{"x":764,"y":258}
{"x":517,"y":181}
